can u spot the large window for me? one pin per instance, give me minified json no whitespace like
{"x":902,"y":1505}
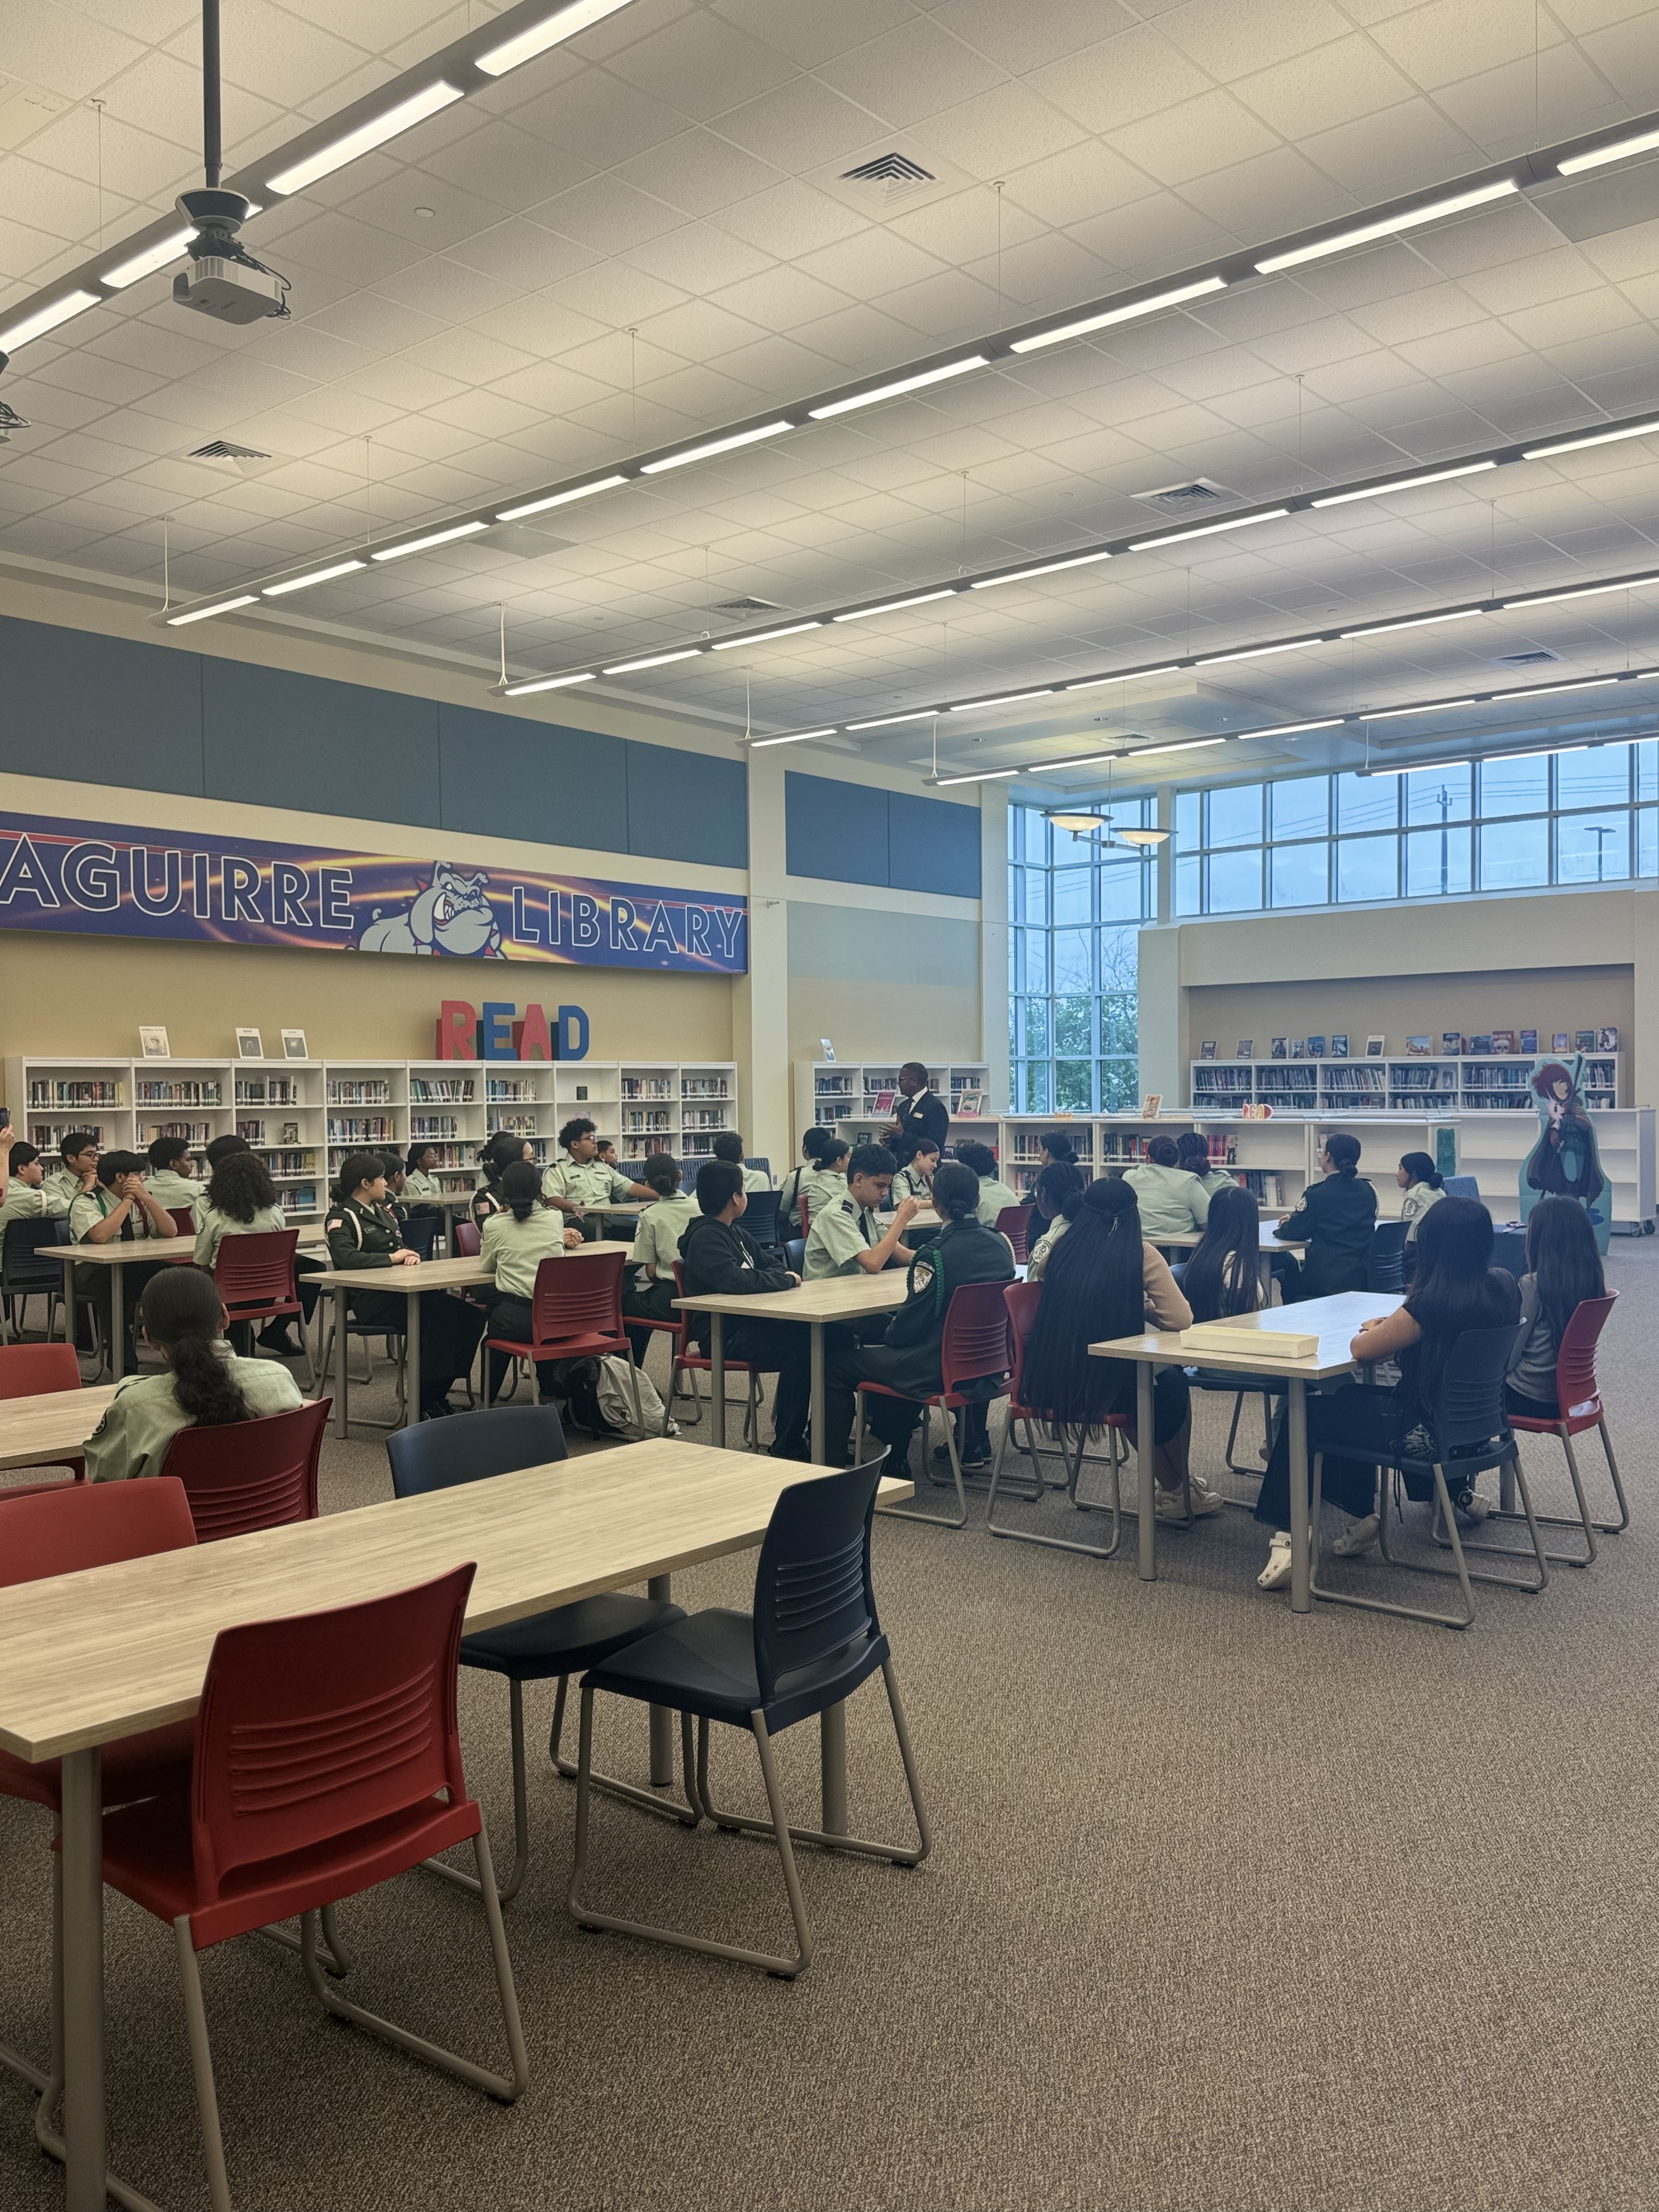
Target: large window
{"x":1584,"y":816}
{"x":1075,"y":904}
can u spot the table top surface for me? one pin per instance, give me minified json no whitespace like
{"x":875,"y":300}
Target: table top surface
{"x":33,"y":1429}
{"x":1189,"y":1240}
{"x":1335,"y":1321}
{"x":437,"y":1274}
{"x":85,"y":1658}
{"x":838,"y":1297}
{"x":118,"y":1249}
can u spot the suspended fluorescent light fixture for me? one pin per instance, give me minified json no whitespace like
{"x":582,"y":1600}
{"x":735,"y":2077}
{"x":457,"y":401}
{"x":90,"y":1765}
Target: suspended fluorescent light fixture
{"x":1592,"y":438}
{"x":1079,"y":327}
{"x":391,"y":123}
{"x":1405,"y":483}
{"x":984,"y":775}
{"x":559,"y":499}
{"x":888,"y":721}
{"x":1414,"y":622}
{"x":316,"y":576}
{"x":145,"y":263}
{"x":219,"y":607}
{"x":893,"y":606}
{"x":552,"y":31}
{"x":1260,"y":652}
{"x":652,"y":661}
{"x":1060,"y":768}
{"x":1294,"y":729}
{"x":433,"y":538}
{"x":1620,"y":150}
{"x":1410,"y":219}
{"x":1133,"y":676}
{"x":792,"y":737}
{"x":765,"y":636}
{"x":1208,"y":529}
{"x":1435,"y":707}
{"x":899,"y":384}
{"x":1583,"y":591}
{"x":545,"y":684}
{"x":710,"y":447}
{"x":46,"y":318}
{"x":1008,"y":699}
{"x":1047,"y":568}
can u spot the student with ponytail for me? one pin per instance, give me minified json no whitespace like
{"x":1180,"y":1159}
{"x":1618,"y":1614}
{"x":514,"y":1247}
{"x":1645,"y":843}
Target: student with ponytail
{"x":205,"y":1384}
{"x":649,"y":1291}
{"x":1101,"y":1281}
{"x":502,"y":1151}
{"x":524,"y":1230}
{"x":1224,"y":1276}
{"x":1335,"y":1220}
{"x":1057,"y":1195}
{"x":1422,"y":1182}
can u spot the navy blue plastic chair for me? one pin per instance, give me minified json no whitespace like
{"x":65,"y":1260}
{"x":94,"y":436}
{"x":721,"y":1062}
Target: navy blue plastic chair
{"x":795,"y":1250}
{"x":760,"y":1218}
{"x":420,"y":1232}
{"x":1471,"y":1436}
{"x":761,"y":1162}
{"x":812,"y":1637}
{"x":24,"y":1274}
{"x":1385,"y":1259}
{"x":1463,"y":1186}
{"x":548,"y":1646}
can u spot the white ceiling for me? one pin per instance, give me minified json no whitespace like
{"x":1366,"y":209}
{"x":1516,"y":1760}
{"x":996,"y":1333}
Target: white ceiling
{"x":644,"y":236}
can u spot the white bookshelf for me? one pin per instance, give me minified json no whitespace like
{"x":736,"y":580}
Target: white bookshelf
{"x":1468,"y":1082}
{"x":841,"y":1094}
{"x":303,"y":1116}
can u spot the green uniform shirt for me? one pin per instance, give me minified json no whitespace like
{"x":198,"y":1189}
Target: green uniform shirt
{"x":821,"y":1190}
{"x":755,"y":1179}
{"x":362,"y":1236}
{"x":144,"y":1416}
{"x":26,"y":1201}
{"x":169,"y":1189}
{"x":417,"y":1183}
{"x":216,"y":1227}
{"x":838,"y":1235}
{"x":513,"y":1250}
{"x":910,"y":1182}
{"x":63,"y":1184}
{"x":994,"y":1196}
{"x":587,"y":1182}
{"x":92,"y":1206}
{"x":1045,"y":1245}
{"x":658,"y":1233}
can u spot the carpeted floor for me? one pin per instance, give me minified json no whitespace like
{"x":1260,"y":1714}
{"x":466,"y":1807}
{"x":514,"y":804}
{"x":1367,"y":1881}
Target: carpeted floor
{"x":1227,"y":1911}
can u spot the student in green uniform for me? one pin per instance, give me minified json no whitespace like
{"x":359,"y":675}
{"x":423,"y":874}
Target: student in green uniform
{"x":994,"y":1196}
{"x":812,"y":1144}
{"x":502,"y":1152}
{"x":728,"y":1145}
{"x":27,"y":1198}
{"x":241,"y":1201}
{"x":917,"y":1180}
{"x":1193,"y":1153}
{"x":421,"y":1184}
{"x":522,"y":1232}
{"x":360,"y":1233}
{"x":204,"y":1384}
{"x":1056,"y":1198}
{"x":77,"y":1166}
{"x":650,"y":1289}
{"x":172,"y":1182}
{"x":118,"y":1205}
{"x":580,"y":1181}
{"x":846,"y":1238}
{"x":825,"y":1184}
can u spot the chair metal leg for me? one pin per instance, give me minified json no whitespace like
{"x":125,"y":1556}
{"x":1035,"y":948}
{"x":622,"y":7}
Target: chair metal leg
{"x":336,"y":1960}
{"x":1067,"y":1543}
{"x":1583,"y":1522}
{"x":506,"y":2088}
{"x":1379,"y":1605}
{"x":1462,"y":1546}
{"x":956,"y":1520}
{"x":1039,"y":1487}
{"x":201,"y":2060}
{"x":688,"y":1815}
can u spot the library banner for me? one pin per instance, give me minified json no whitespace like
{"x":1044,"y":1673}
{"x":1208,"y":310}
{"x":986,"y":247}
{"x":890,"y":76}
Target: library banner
{"x":97,"y":879}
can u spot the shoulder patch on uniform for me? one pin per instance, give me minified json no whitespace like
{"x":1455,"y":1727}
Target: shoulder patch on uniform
{"x":335,"y":1221}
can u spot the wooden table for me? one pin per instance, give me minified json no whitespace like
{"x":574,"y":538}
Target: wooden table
{"x":115,"y":1255}
{"x":839,"y":1297}
{"x":42,"y":1431}
{"x":88,"y":1658}
{"x":408,"y":1283}
{"x":1190,"y":1239}
{"x":1336,"y":1321}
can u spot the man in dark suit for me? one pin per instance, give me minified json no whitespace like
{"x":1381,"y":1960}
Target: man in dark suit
{"x":920,"y":1112}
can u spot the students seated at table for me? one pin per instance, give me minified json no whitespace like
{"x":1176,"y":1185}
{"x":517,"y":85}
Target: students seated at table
{"x":1193,"y":1153}
{"x":204,"y":1384}
{"x":915,"y":1178}
{"x":717,"y":1261}
{"x":1104,"y":1280}
{"x":846,"y":1237}
{"x":523,"y":1230}
{"x":172,"y":1179}
{"x":221,"y":1148}
{"x":241,"y":1201}
{"x":728,"y":1145}
{"x":502,"y":1152}
{"x":907,"y":1356}
{"x":118,"y":1208}
{"x":1056,"y":1197}
{"x":421,"y":1184}
{"x":1456,"y":1288}
{"x":361,"y":1234}
{"x":1423,"y":1183}
{"x":995,"y":1196}
{"x":1224,"y":1275}
{"x":812,"y":1144}
{"x":582,"y":1181}
{"x":78,"y":1166}
{"x":824,"y":1183}
{"x":1335,"y":1219}
{"x":1563,"y":1268}
{"x":649,"y":1289}
{"x":28,"y":1195}
{"x":1171,"y":1199}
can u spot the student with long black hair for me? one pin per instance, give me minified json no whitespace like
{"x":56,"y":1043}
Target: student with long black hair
{"x":1335,"y":1220}
{"x":1101,"y":1281}
{"x":503,"y":1151}
{"x":1224,"y":1275}
{"x":204,"y":1384}
{"x":1458,"y":1289}
{"x":811,"y":1146}
{"x":1056,"y":1197}
{"x":1563,"y":1268}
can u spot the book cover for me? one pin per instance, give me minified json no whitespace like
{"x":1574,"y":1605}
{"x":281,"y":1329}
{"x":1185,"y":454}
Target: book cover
{"x":1339,"y":1047}
{"x":1418,"y":1048}
{"x":1503,"y":1041}
{"x":1559,"y":1042}
{"x":1451,"y":1043}
{"x":1315,"y":1047}
{"x":1375,"y":1047}
{"x":1583,"y":1040}
{"x":1206,"y":1050}
{"x":1151,"y":1106}
{"x":968,"y":1106}
{"x":1298,"y":1048}
{"x":884,"y":1101}
{"x":1529,"y":1040}
{"x":1246,"y":1048}
{"x":1480,"y":1047}
{"x":1607,"y":1040}
{"x":1280,"y":1048}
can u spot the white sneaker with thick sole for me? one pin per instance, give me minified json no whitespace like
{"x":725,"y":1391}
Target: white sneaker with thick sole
{"x":1276,"y":1575}
{"x":1359,"y":1536}
{"x":1471,"y":1505}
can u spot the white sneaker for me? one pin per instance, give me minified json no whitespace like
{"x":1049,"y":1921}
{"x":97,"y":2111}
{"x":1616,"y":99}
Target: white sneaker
{"x":1205,"y":1500}
{"x":1276,"y":1575}
{"x":1359,"y":1536}
{"x":1170,"y":1505}
{"x":1471,"y":1505}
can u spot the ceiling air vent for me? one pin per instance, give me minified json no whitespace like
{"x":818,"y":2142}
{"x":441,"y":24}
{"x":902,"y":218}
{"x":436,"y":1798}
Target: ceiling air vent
{"x":889,"y":176}
{"x":230,"y":459}
{"x":1194,"y":498}
{"x":1524,"y":660}
{"x":743,"y":608}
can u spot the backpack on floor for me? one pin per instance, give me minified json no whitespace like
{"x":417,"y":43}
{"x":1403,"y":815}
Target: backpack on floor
{"x":615,"y":1394}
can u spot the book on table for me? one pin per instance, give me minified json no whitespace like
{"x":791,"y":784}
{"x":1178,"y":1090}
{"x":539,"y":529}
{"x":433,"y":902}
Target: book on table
{"x":1224,"y":1336}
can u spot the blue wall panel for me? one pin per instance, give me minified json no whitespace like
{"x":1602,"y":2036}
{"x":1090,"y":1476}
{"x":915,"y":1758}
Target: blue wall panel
{"x":836,"y":831}
{"x":504,"y":778}
{"x":687,"y":806}
{"x":272,"y":739}
{"x":94,"y":709}
{"x":933,"y":845}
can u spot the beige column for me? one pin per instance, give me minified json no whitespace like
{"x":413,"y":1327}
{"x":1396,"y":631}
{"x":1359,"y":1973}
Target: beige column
{"x":993,"y":941}
{"x":760,"y":1000}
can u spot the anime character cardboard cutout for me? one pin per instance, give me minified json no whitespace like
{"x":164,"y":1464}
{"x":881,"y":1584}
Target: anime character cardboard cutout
{"x":1565,"y":1162}
{"x":452,"y":915}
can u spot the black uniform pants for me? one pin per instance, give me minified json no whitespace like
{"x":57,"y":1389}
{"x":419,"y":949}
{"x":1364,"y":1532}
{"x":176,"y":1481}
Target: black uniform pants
{"x":94,"y":1284}
{"x":787,"y":1347}
{"x":450,"y":1329}
{"x":643,"y":1296}
{"x":511,"y":1318}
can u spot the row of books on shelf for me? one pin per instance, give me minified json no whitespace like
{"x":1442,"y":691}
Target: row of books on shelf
{"x":434,"y":1125}
{"x":374,"y":1091}
{"x":47,"y":1136}
{"x":52,"y":1093}
{"x":1453,"y":1045}
{"x":149,"y":1093}
{"x":443,"y":1090}
{"x":359,"y":1129}
{"x":267,"y":1090}
{"x":195,"y":1133}
{"x":297,"y":1161}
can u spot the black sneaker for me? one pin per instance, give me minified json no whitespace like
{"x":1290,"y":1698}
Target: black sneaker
{"x":436,"y":1410}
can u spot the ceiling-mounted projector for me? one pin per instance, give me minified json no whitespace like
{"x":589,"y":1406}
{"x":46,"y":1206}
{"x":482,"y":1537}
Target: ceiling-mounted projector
{"x":224,"y":280}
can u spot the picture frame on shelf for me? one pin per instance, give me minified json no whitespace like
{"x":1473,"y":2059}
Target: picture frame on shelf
{"x":153,"y":1044}
{"x":968,"y":1106}
{"x":250,"y":1045}
{"x":1298,"y":1047}
{"x":1315,"y":1047}
{"x":1583,"y":1040}
{"x":1151,"y":1106}
{"x":1480,"y":1046}
{"x":828,"y":1049}
{"x":1376,"y":1047}
{"x":1452,"y":1043}
{"x":293,"y":1045}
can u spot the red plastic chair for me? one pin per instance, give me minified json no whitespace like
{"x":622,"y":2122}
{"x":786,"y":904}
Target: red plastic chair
{"x":251,"y":1474}
{"x":803,"y":1206}
{"x":327,"y":1760}
{"x":576,"y":1313}
{"x":975,"y":1345}
{"x":468,"y":1240}
{"x":60,"y":1532}
{"x":37,"y":1370}
{"x":1022,"y":1300}
{"x":687,"y":1358}
{"x":184,"y":1221}
{"x":1579,"y":1396}
{"x":255,"y":1275}
{"x":1014,"y":1222}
